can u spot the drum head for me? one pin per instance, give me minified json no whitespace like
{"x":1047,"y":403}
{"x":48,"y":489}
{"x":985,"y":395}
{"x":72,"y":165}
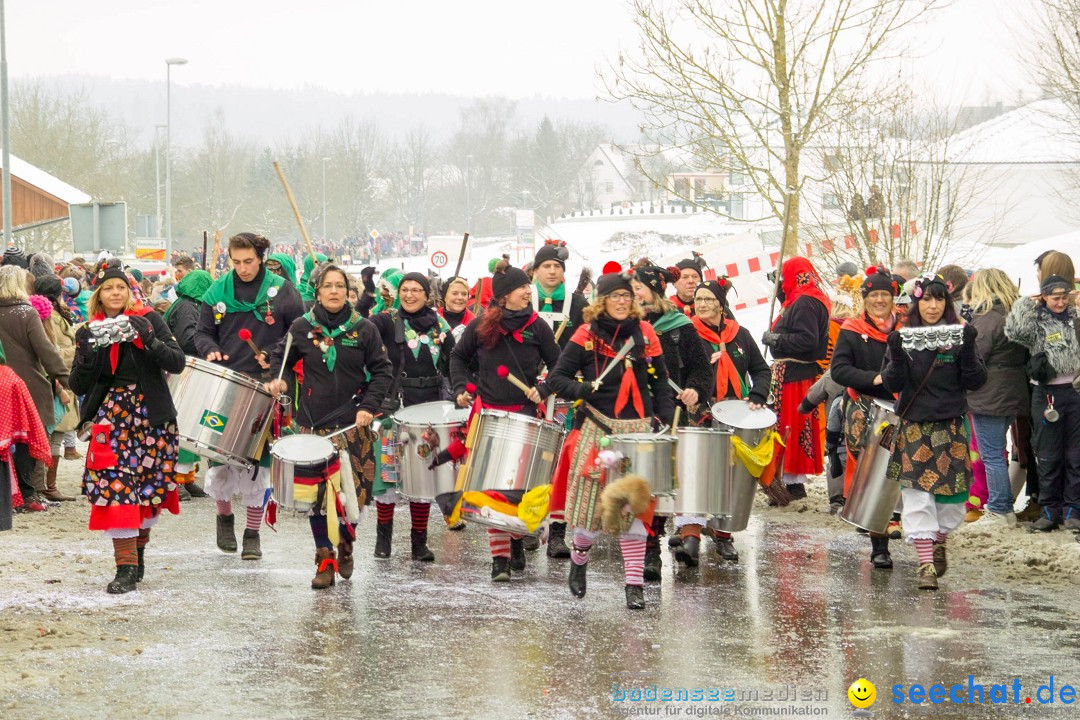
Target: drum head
{"x":737,"y":414}
{"x":303,"y":449}
{"x":887,"y":404}
{"x":432,"y":413}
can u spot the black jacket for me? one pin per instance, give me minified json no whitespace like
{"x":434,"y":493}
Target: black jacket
{"x":225,"y":337}
{"x":947,"y":376}
{"x":856,"y":361}
{"x":417,"y":380}
{"x":656,"y":395}
{"x":523,"y":359}
{"x":183,"y":321}
{"x":578,"y":303}
{"x":92,"y":375}
{"x":326,"y":398}
{"x":749,"y":363}
{"x":686,"y":360}
{"x":804,"y":337}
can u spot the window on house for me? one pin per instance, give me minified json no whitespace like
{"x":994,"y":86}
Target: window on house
{"x":736,"y":178}
{"x":830,"y":201}
{"x":609,"y":187}
{"x":834,"y":161}
{"x":598,"y":163}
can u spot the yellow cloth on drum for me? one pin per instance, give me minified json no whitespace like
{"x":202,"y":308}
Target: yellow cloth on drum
{"x":757,"y":458}
{"x":532,"y":509}
{"x":309,"y":493}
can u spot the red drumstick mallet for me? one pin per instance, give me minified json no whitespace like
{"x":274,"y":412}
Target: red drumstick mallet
{"x":504,"y":372}
{"x":470,"y":388}
{"x":245,"y":335}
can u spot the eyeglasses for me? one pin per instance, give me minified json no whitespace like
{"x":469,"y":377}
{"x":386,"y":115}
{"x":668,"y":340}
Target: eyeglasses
{"x":621,"y":297}
{"x":706,"y":301}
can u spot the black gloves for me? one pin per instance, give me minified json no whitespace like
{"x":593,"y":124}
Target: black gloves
{"x":440,"y":458}
{"x":143,"y":327}
{"x":770,"y":339}
{"x":970,"y":333}
{"x":895,"y":342}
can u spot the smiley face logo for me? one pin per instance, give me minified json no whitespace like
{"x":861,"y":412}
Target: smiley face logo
{"x":862,"y":693}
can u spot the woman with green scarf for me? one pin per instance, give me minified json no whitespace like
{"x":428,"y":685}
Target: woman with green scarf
{"x":687,"y":364}
{"x":307,"y":290}
{"x":347,"y":375}
{"x":283,"y":266}
{"x":389,"y":282}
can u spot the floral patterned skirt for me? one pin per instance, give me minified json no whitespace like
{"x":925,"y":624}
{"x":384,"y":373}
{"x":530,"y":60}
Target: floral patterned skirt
{"x":932,"y":457}
{"x":139,"y":482}
{"x":359,"y":447}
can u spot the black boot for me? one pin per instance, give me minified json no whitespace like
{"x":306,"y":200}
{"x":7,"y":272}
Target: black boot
{"x":125,"y":580}
{"x":725,"y":548}
{"x":500,"y":569}
{"x":653,"y":563}
{"x":252,"y":549}
{"x":420,"y":550}
{"x":557,"y":541}
{"x":797,"y":491}
{"x":383,"y":532}
{"x":195,"y":491}
{"x":517,"y":554}
{"x":226,"y":534}
{"x":577,"y":579}
{"x":142,"y":566}
{"x":879,"y":553}
{"x":530,"y":543}
{"x":687,"y":553}
{"x":635,"y":597}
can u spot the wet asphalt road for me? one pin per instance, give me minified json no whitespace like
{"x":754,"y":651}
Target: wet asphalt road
{"x":209,"y":635}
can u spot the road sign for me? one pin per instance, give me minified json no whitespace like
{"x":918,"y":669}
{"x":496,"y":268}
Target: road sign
{"x":374,"y":234}
{"x":439,"y":259}
{"x":149,"y":249}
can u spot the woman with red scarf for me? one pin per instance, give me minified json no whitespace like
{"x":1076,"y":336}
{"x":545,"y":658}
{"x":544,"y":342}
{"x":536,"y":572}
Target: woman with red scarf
{"x":633,"y":392}
{"x":741,"y":374}
{"x":454,"y":305}
{"x":508,"y":335}
{"x":856,"y":365}
{"x":130,"y":465}
{"x":799,"y":337}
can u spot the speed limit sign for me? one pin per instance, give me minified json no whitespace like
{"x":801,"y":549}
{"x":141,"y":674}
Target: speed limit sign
{"x":439,"y":259}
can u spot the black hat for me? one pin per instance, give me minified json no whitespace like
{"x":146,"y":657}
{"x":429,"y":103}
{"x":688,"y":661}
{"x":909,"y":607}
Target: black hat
{"x":611,"y":282}
{"x":878,"y":278}
{"x":15,"y":256}
{"x":50,"y":286}
{"x":1054,"y":282}
{"x":108,"y":271}
{"x":445,"y":286}
{"x":656,"y":278}
{"x":506,"y":280}
{"x":420,"y":278}
{"x":718,"y":288}
{"x":551,"y":251}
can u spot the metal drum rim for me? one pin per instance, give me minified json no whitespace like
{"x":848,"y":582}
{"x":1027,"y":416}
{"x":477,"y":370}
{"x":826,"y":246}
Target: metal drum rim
{"x":707,"y":431}
{"x":219,"y":371}
{"x":306,"y":461}
{"x":715,"y":413}
{"x":641,"y":438}
{"x":213,"y":453}
{"x":444,"y":421}
{"x":888,"y":405}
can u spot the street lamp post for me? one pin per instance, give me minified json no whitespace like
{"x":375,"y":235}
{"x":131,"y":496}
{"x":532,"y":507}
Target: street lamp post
{"x":324,"y":198}
{"x":169,"y":62}
{"x":468,"y":202}
{"x":157,"y":178}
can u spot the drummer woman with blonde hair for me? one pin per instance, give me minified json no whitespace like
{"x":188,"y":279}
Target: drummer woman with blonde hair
{"x":930,"y":456}
{"x":856,"y":365}
{"x":132,"y":456}
{"x":508,"y":335}
{"x":741,"y":373}
{"x":621,"y":395}
{"x":343,"y":358}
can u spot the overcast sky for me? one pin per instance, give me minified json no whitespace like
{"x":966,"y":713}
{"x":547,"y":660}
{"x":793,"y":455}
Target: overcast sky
{"x":469,"y":47}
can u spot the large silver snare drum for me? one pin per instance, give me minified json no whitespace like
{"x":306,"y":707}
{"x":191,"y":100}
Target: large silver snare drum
{"x":421,"y":431}
{"x":511,"y":453}
{"x":306,"y":455}
{"x":749,"y":426}
{"x":703,"y":468}
{"x":649,"y":455}
{"x":221,"y":414}
{"x":873,"y":496}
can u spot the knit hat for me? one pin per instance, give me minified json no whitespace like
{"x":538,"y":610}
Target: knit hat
{"x":48,"y":286}
{"x":71,"y":286}
{"x":1054,"y":282}
{"x":552,"y":250}
{"x":495,"y":261}
{"x":695,"y":263}
{"x":847,"y":268}
{"x":41,"y":265}
{"x":611,"y":282}
{"x":656,"y":278}
{"x":878,"y":278}
{"x":718,"y":288}
{"x":506,"y":280}
{"x":15,"y":256}
{"x":137,"y":274}
{"x":108,"y":272}
{"x":420,"y":278}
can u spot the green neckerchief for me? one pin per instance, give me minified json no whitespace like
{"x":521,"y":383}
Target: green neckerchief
{"x":547,"y":302}
{"x":222,"y":295}
{"x":307,"y":293}
{"x":287,"y":264}
{"x":192,"y":286}
{"x":670,"y":321}
{"x":433,"y":338}
{"x":330,"y":348}
{"x":3,"y":357}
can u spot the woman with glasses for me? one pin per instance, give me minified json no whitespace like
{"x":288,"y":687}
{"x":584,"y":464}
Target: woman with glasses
{"x":633,"y":391}
{"x":343,"y":358}
{"x":1047,"y":326}
{"x":740,"y":373}
{"x":419,"y":342}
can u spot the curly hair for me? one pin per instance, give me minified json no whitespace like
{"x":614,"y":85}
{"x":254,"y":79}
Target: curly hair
{"x":596,"y":309}
{"x":249,"y":240}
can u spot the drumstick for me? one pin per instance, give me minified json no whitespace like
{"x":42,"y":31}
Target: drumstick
{"x":347,"y":428}
{"x":675,"y":420}
{"x":284,"y":360}
{"x":504,"y":372}
{"x":245,"y":335}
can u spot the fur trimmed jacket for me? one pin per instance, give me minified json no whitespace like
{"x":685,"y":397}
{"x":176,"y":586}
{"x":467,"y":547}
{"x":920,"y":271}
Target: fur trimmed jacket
{"x":1030,"y":324}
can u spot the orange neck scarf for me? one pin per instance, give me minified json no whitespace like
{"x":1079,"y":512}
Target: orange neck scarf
{"x":726,"y":374}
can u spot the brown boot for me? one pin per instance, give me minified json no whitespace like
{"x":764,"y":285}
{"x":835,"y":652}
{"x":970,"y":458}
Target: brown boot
{"x":927,"y":577}
{"x":51,"y":493}
{"x":327,"y":566}
{"x":941,"y":561}
{"x":345,"y":559}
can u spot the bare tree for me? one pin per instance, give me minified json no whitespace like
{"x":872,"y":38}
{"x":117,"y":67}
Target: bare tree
{"x":748,"y":85}
{"x":411,"y":170}
{"x":358,"y":153}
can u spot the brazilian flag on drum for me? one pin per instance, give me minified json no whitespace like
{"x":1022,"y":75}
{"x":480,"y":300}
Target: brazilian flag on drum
{"x":214,"y":421}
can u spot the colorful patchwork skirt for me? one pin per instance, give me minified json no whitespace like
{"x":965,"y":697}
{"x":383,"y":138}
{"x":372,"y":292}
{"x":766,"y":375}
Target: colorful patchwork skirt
{"x":359,"y":446}
{"x":133,"y":468}
{"x":933,"y":457}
